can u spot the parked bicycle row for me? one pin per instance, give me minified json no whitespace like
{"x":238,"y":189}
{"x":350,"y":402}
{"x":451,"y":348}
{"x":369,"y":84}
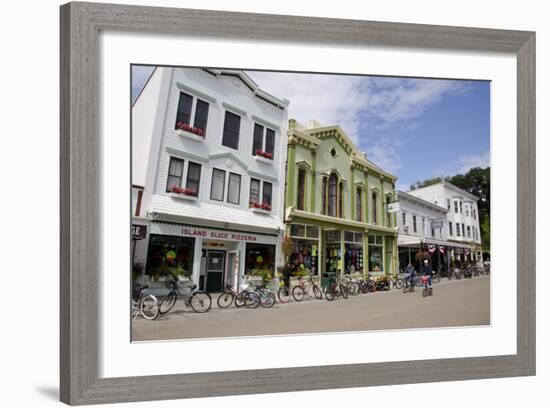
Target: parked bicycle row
{"x":252,"y":296}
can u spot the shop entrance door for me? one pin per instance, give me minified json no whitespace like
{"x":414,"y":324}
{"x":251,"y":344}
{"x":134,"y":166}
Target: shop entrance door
{"x":215,"y":270}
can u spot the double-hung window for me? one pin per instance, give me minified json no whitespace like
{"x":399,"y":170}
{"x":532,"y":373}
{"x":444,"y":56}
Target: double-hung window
{"x":414,"y":223}
{"x":193,"y":178}
{"x":263,"y":141}
{"x":175,"y":173}
{"x":404,"y":218}
{"x":450,"y":229}
{"x":234,"y":189}
{"x":469,"y":231}
{"x":374,"y":207}
{"x":457,"y":229}
{"x":231,"y":130}
{"x":256,"y":191}
{"x":358,"y":205}
{"x":218,"y":185}
{"x":456,"y":207}
{"x":185,"y":114}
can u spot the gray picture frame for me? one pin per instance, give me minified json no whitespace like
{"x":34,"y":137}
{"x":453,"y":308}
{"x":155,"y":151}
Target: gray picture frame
{"x":80,"y":154}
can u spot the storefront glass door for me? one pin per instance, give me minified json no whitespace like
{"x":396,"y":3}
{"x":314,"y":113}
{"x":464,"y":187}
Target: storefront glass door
{"x":215,"y":261}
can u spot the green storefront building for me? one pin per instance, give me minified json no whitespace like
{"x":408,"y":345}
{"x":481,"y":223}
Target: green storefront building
{"x":337,"y":205}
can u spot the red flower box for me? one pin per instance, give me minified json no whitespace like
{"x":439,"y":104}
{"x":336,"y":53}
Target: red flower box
{"x":264,"y":154}
{"x":192,"y":129}
{"x":261,"y":206}
{"x":184,"y":191}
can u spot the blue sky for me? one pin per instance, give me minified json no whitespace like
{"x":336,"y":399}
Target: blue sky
{"x":413,"y":128}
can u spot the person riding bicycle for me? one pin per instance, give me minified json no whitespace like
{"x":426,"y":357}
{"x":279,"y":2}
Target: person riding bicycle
{"x":427,"y":271}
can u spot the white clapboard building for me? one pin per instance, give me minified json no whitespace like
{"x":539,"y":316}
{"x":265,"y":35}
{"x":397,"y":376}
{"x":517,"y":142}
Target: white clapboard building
{"x":208,"y":176}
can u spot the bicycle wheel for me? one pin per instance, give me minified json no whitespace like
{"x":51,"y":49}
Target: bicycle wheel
{"x":225,"y":299}
{"x":239,"y":300}
{"x":298,"y":293}
{"x":167,"y":302}
{"x":399,"y":283}
{"x":267,"y":299}
{"x":354,"y":288}
{"x":317,"y":292}
{"x":424,"y":292}
{"x":251,"y":300}
{"x":344,"y":291}
{"x":283,"y":294}
{"x":135,"y":309}
{"x":149,"y":307}
{"x":329,"y":293}
{"x":200,"y":302}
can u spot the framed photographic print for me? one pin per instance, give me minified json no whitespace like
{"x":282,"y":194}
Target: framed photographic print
{"x":252,"y":192}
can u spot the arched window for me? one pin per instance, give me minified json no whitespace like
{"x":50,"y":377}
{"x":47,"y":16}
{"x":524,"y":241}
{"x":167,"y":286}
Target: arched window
{"x":332,"y":194}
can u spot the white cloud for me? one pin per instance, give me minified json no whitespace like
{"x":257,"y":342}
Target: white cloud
{"x":375,"y":112}
{"x":464,"y":163}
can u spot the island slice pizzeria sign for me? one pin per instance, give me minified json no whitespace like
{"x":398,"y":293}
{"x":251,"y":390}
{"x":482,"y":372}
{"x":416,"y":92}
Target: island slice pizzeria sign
{"x":202,"y":232}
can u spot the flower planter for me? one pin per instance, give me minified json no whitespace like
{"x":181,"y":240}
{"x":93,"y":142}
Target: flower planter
{"x":190,"y":135}
{"x":260,"y":210}
{"x":183,"y":196}
{"x":262,"y":159}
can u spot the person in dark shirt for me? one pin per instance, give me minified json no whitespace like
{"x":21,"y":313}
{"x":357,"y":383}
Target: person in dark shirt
{"x":427,"y":270}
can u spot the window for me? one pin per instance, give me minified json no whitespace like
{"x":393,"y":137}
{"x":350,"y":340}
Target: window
{"x":185,"y":104}
{"x":258,"y":140}
{"x":231,"y":128}
{"x":423,"y":225}
{"x":457,"y":229}
{"x":193,"y":178}
{"x":201,"y":115}
{"x":301,"y":189}
{"x":463,"y":230}
{"x":234,"y":189}
{"x":325,"y":186}
{"x":266,"y":195}
{"x":185,"y":108}
{"x":433,"y":232}
{"x":374,"y":205}
{"x":358,"y":205}
{"x":414,"y":223}
{"x":461,"y":207}
{"x":474,"y":213}
{"x":218,"y":185}
{"x":254,"y":191}
{"x":341,"y":200}
{"x":270,"y":141}
{"x":388,"y":214}
{"x":175,"y":173}
{"x":448,"y":204}
{"x":456,"y":207}
{"x":469,"y":231}
{"x":332,"y":193}
{"x":467,"y":210}
{"x":404,"y":219}
{"x":376,"y":262}
{"x":451,"y":229}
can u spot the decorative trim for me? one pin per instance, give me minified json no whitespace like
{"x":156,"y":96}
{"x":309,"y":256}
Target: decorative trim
{"x":185,"y":155}
{"x":231,"y":155}
{"x":201,"y":95}
{"x":234,"y":109}
{"x":266,"y":123}
{"x":263,"y":176}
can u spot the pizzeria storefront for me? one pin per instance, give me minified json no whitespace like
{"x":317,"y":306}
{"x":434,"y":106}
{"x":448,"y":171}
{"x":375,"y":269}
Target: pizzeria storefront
{"x":209,"y":257}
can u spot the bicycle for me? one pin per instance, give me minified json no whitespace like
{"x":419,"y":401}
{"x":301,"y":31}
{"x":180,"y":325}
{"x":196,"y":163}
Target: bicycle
{"x":265,"y":297}
{"x":300,"y":291}
{"x":428,"y":290}
{"x":242,"y":298}
{"x":409,"y":284}
{"x":146,"y":305}
{"x":200,"y":302}
{"x":335,"y":289}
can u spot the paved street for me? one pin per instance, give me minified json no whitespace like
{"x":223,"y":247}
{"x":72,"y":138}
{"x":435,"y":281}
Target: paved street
{"x":455,"y":303}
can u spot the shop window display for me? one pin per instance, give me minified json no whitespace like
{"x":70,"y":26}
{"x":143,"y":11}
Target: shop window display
{"x":260,"y":261}
{"x":353,"y":256}
{"x":170,"y":255}
{"x":333,"y":252}
{"x":376,"y":263}
{"x":303,"y":259}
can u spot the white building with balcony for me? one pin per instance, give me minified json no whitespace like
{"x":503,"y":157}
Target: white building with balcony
{"x":461,"y":227}
{"x":421,"y":227}
{"x":208,"y":175}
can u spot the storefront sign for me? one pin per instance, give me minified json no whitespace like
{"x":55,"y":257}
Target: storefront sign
{"x":216,"y":234}
{"x":139,"y":232}
{"x":393,"y":207}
